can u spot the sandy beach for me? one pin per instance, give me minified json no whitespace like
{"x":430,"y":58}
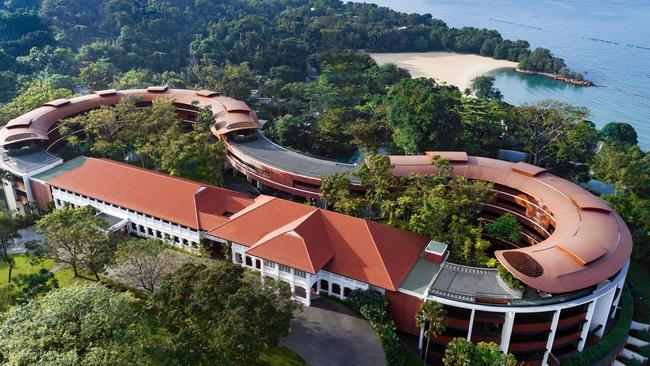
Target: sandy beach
{"x":452,"y":68}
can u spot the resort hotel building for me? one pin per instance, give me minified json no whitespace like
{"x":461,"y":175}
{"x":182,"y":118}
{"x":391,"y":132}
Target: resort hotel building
{"x":572,"y":259}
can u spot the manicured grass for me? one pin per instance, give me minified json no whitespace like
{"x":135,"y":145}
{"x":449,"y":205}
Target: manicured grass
{"x":22,"y":266}
{"x":281,"y":356}
{"x":66,"y":278}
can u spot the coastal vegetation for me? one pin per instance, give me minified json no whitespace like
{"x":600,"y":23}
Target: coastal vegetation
{"x":96,"y":42}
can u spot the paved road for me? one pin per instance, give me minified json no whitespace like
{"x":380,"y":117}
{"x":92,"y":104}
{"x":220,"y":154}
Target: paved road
{"x":329,"y":334}
{"x":26,"y":235}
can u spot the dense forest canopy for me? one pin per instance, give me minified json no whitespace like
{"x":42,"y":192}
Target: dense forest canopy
{"x":176,"y":39}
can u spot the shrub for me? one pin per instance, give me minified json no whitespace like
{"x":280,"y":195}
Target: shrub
{"x":370,"y":304}
{"x":390,"y":343}
{"x":610,"y":341}
{"x":509,"y":279}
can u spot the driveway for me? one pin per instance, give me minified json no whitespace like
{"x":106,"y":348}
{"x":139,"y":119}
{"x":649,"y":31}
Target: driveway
{"x":26,"y":235}
{"x":329,"y":334}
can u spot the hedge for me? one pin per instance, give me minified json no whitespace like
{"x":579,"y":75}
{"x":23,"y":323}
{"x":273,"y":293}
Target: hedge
{"x":610,"y":341}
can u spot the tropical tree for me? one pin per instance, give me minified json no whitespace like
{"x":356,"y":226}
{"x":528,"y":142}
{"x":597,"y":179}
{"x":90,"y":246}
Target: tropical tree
{"x":625,"y":167}
{"x":9,"y":226}
{"x":619,"y":132}
{"x":145,"y":262}
{"x":77,"y":237}
{"x":433,"y":318}
{"x":335,"y":192}
{"x":98,"y":75}
{"x":217,"y":316}
{"x":461,"y":352}
{"x":424,"y":115}
{"x":33,"y":285}
{"x":557,"y":136}
{"x":483,"y":87}
{"x":505,"y":227}
{"x":79,"y":325}
{"x":30,"y":97}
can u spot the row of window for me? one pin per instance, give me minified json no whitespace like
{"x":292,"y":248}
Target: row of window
{"x":58,"y":202}
{"x":147,"y":231}
{"x":269,"y":264}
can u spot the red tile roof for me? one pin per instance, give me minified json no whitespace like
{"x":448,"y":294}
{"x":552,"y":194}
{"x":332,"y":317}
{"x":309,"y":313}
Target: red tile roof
{"x":184,"y":202}
{"x":293,"y":234}
{"x":289,"y":233}
{"x":301,"y":244}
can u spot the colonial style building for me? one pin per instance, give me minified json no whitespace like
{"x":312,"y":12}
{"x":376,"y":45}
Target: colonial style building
{"x":572,"y":260}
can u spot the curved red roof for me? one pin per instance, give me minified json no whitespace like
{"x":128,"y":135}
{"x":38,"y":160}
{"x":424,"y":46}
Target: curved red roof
{"x":230,"y":114}
{"x":590,"y":243}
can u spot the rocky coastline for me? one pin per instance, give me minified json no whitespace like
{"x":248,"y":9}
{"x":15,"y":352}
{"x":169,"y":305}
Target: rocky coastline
{"x":565,"y":79}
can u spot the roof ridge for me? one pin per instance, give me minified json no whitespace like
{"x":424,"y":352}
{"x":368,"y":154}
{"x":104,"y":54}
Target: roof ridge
{"x":197,"y":192}
{"x":285,"y":229}
{"x":153,"y":172}
{"x":381,"y":258}
{"x":329,"y":242}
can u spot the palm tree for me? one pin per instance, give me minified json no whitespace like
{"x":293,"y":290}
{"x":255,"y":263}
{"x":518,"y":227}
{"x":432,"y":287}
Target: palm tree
{"x":432,"y":314}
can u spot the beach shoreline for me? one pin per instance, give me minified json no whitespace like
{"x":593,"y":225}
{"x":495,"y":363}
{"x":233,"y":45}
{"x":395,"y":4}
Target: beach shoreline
{"x":452,"y":68}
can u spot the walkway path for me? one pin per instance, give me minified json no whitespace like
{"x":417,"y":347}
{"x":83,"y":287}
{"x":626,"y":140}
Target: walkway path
{"x":329,"y":334}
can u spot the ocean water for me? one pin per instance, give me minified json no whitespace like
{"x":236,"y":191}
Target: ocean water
{"x":607,"y":41}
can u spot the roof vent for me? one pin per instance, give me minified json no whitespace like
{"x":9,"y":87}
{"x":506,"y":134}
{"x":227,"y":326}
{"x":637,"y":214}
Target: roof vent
{"x":523,"y":263}
{"x":589,"y":202}
{"x":207,"y":93}
{"x":157,"y":89}
{"x":106,"y":93}
{"x":526,"y":169}
{"x":19,"y":122}
{"x":57,"y":103}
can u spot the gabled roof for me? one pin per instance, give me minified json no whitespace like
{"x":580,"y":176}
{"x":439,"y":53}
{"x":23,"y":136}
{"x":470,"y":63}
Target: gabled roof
{"x":301,"y":244}
{"x":290,"y":233}
{"x":370,"y":252}
{"x":182,"y":201}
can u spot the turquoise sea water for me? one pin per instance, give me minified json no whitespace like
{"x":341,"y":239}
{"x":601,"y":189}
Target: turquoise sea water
{"x":607,"y":41}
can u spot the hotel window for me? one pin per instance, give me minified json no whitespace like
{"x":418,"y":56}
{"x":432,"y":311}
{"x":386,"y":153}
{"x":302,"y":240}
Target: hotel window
{"x":284,"y":268}
{"x":300,"y":273}
{"x":238,"y":258}
{"x":269,"y":264}
{"x":134,"y":227}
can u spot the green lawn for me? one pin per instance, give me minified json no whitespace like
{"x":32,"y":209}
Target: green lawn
{"x":281,"y":356}
{"x":66,"y":278}
{"x":22,"y":266}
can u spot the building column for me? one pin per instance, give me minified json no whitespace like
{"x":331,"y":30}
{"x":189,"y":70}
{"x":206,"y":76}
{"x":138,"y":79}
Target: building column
{"x":506,"y":332}
{"x":421,"y":340}
{"x":28,"y":189}
{"x":471,"y":325}
{"x":617,"y":300}
{"x":601,"y":313}
{"x":308,"y":296}
{"x":329,"y":288}
{"x":585,"y":326}
{"x":551,"y":336}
